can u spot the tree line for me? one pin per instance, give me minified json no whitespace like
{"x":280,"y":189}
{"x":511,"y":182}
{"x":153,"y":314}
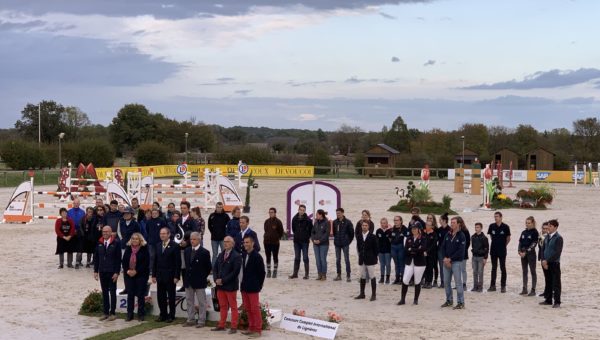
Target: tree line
{"x":152,"y":138}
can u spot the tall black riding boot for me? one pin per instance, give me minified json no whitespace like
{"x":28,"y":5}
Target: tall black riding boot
{"x":373,"y":289}
{"x":417,"y":293}
{"x":403,"y":297}
{"x":363,"y":283}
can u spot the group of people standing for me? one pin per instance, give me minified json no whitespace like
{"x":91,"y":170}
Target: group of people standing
{"x":427,"y":250}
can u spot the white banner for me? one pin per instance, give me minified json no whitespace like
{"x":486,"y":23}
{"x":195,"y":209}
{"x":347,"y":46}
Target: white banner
{"x":518,"y":175}
{"x":314,"y":195}
{"x":308,"y":326}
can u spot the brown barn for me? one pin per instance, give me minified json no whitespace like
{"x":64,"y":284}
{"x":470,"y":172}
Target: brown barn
{"x":471,"y":157}
{"x":378,"y":160}
{"x":539,"y":159}
{"x":505,"y":156}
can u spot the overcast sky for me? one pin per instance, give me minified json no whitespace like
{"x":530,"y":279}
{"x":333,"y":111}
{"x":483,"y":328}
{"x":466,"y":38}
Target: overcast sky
{"x":307,"y":63}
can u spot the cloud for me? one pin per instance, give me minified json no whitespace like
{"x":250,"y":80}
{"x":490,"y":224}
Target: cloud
{"x":429,"y":62}
{"x":579,"y":101}
{"x":225,"y":79}
{"x":387,"y":16}
{"x":395,"y":59}
{"x":307,"y":117}
{"x":544,"y":80}
{"x":243,"y":92}
{"x":356,"y":80}
{"x":309,"y":83}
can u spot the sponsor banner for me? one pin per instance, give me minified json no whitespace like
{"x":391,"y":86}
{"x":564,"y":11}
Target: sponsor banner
{"x":554,"y":176}
{"x":313,"y":327}
{"x":256,"y":170}
{"x":314,"y":195}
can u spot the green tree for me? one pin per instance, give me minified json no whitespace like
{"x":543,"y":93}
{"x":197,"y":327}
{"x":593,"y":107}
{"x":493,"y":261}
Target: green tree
{"x":319,"y":157}
{"x":74,"y":121}
{"x":96,"y":151}
{"x":133,"y":124}
{"x":22,"y":155}
{"x":345,"y":139}
{"x":586,"y":133}
{"x":398,"y":135}
{"x":476,"y":139}
{"x":152,"y":153}
{"x":50,"y":113}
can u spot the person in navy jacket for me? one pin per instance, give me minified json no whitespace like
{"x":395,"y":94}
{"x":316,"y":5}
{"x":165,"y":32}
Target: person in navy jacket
{"x":414,"y":260}
{"x":233,"y":225}
{"x":198,"y":267}
{"x":453,"y":251}
{"x":226,"y":272}
{"x":527,"y":243}
{"x":245,"y":230}
{"x":107,"y":266}
{"x":253,"y":278}
{"x":500,"y":234}
{"x":166,"y":272}
{"x":136,"y":271}
{"x":553,"y":246}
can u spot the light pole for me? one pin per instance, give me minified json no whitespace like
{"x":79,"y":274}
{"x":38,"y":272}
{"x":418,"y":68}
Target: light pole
{"x":186,"y":152}
{"x":60,"y":137}
{"x":39,"y":125}
{"x":462,"y":163}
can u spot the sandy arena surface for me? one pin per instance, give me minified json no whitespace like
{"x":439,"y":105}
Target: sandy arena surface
{"x":39,"y":301}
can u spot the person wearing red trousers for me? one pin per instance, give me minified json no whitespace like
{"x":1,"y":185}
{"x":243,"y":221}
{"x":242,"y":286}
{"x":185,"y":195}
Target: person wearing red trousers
{"x":225,"y":273}
{"x":253,"y":278}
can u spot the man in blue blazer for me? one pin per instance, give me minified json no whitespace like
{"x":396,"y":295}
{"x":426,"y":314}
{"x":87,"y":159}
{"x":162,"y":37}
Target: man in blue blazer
{"x":198,"y":267}
{"x":253,"y":277}
{"x":245,"y":231}
{"x":166,"y":272}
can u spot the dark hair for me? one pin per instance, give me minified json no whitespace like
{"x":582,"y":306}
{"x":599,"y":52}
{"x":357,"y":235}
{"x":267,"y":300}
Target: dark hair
{"x":219,"y":203}
{"x":498,"y":213}
{"x":89,"y":208}
{"x":302,"y":206}
{"x":134,"y":199}
{"x":479,"y":224}
{"x":322,"y":212}
{"x":176,"y":212}
{"x":245,"y":218}
{"x":444,"y":217}
{"x":553,"y":222}
{"x":274,"y":210}
{"x":196,"y":211}
{"x":416,"y":210}
{"x":114,"y":202}
{"x":60,"y":211}
{"x":249,"y":236}
{"x":158,"y":204}
{"x":171,"y":204}
{"x":100,"y":208}
{"x":340,"y":210}
{"x":186,"y":203}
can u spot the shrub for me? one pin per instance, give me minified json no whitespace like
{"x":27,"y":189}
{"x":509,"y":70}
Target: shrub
{"x":446,"y":201}
{"x":265,"y":314}
{"x":359,"y":162}
{"x":21,"y":155}
{"x":96,"y":151}
{"x":420,"y":195}
{"x":152,"y":153}
{"x":92,"y":304}
{"x":320,"y":158}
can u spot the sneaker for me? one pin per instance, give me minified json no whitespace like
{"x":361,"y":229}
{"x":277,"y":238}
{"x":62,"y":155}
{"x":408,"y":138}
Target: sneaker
{"x":492,"y":289}
{"x":459,"y":306}
{"x":447,"y":304}
{"x":112,"y":318}
{"x":103,"y":317}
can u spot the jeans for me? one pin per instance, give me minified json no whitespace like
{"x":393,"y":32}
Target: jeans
{"x":136,"y":288}
{"x":216,"y":245}
{"x":529,"y":262}
{"x":454,"y":271}
{"x":495,"y":259}
{"x":463,"y":272}
{"x":385,"y":264}
{"x":300,"y":248}
{"x":554,"y":283}
{"x":109,"y":289}
{"x":477,"y":264}
{"x":321,"y":257}
{"x":398,"y":257}
{"x":338,"y":259}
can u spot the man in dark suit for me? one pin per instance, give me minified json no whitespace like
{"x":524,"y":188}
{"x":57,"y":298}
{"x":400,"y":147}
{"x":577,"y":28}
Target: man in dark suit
{"x":188,"y":225}
{"x":165,"y":273}
{"x":252,"y":282}
{"x":225,"y":273}
{"x":107,"y":266}
{"x":245,"y":231}
{"x":553,"y":246}
{"x":198,"y":267}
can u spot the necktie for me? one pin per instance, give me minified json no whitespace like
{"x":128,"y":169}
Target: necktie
{"x":164,"y":247}
{"x":193,"y":252}
{"x":226,"y":256}
{"x":105,"y":244}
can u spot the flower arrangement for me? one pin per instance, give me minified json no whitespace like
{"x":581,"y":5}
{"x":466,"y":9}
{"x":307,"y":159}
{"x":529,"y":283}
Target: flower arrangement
{"x":537,"y":196}
{"x":265,"y":314}
{"x":334,"y":317}
{"x":148,"y":304}
{"x":209,"y":283}
{"x":92,"y":303}
{"x":299,"y":312}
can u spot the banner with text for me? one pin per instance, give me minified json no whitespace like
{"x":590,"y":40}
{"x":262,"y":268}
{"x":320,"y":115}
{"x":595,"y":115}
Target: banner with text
{"x":281,"y":171}
{"x":308,"y":326}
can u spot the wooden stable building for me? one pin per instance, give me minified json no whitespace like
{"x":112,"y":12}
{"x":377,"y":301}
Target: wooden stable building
{"x":539,"y":159}
{"x":505,"y":156}
{"x":379,"y":160}
{"x":471,"y":157}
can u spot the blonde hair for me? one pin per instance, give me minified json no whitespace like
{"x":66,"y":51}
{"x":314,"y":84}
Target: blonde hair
{"x":140,"y":236}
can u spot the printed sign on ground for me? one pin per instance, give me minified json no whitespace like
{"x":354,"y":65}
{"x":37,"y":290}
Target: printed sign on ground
{"x":308,"y":326}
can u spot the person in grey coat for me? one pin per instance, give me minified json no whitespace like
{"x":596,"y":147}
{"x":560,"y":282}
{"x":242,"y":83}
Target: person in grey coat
{"x":320,"y":239}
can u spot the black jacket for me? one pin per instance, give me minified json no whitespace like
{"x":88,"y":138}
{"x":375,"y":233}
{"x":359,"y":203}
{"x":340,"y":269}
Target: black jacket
{"x":480,"y":245}
{"x":108,"y":260}
{"x":112,"y":219}
{"x":188,"y":228}
{"x":228,"y":271}
{"x":467,"y":242}
{"x":127,"y":230}
{"x":239,"y":241}
{"x":383,"y":240}
{"x":398,"y":234}
{"x":254,"y":273}
{"x":197,"y":269}
{"x":217,"y":222}
{"x":167,"y":263}
{"x":528,"y":240}
{"x":368,"y":249}
{"x":358,"y":228}
{"x":321,"y":231}
{"x":153,"y":227}
{"x":343,"y":232}
{"x":431,"y":243}
{"x":414,"y":249}
{"x":142,"y":264}
{"x":302,"y":228}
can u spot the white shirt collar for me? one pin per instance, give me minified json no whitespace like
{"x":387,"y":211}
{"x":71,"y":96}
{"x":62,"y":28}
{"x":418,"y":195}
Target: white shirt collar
{"x":552,"y":235}
{"x":365,"y":235}
{"x":196,"y":248}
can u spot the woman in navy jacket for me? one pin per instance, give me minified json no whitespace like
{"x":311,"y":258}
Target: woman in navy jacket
{"x":136,"y":264}
{"x":415,"y":262}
